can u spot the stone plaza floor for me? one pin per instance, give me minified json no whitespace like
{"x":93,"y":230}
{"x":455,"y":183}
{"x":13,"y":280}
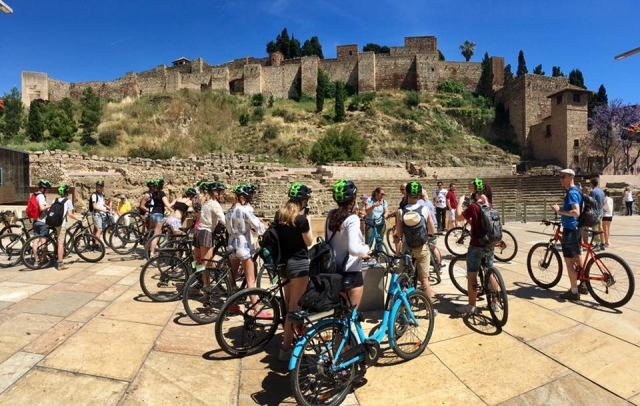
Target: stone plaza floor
{"x":87,"y":335}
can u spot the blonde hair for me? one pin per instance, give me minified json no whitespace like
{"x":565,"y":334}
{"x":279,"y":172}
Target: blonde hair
{"x":290,"y":211}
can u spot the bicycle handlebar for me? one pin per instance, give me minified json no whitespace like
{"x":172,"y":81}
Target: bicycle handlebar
{"x":549,"y":223}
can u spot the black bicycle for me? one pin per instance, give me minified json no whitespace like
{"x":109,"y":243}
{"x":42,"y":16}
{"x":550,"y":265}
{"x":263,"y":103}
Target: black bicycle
{"x":457,"y":242}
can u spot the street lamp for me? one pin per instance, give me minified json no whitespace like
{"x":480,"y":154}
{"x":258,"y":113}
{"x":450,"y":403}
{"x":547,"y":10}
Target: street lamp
{"x":628,"y":53}
{"x":5,"y":8}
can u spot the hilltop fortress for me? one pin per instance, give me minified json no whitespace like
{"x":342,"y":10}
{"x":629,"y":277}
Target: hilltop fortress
{"x":414,"y":66}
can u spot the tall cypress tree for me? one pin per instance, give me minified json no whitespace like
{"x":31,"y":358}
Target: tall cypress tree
{"x":321,"y":90}
{"x":485,"y":85}
{"x":13,"y":112}
{"x":522,"y":65}
{"x":35,"y":126}
{"x":576,"y":78}
{"x":508,"y":75}
{"x":339,"y":107}
{"x":91,"y":114}
{"x":556,"y":72}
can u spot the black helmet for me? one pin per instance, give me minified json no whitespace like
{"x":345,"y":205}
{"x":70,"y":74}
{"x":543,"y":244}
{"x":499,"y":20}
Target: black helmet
{"x":190,"y":191}
{"x":159,"y":182}
{"x":44,"y":183}
{"x":63,"y":189}
{"x":244,"y":190}
{"x":413,"y":188}
{"x":252,"y":188}
{"x":344,"y":191}
{"x":100,"y":183}
{"x":151,"y":182}
{"x":214,"y":186}
{"x":298,"y":191}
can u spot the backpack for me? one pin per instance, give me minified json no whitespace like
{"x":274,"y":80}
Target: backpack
{"x":33,"y":208}
{"x":414,"y":236}
{"x":91,"y":201}
{"x":322,"y":258}
{"x":490,"y":224}
{"x":322,"y":294}
{"x":56,"y":214}
{"x":270,"y":243}
{"x":589,"y":212}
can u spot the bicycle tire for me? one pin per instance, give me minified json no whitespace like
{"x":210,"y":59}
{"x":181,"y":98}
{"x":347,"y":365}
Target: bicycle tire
{"x":616,"y":271}
{"x":88,"y":247}
{"x":106,"y":235}
{"x":309,"y":386}
{"x":202,"y":302}
{"x":457,"y":241}
{"x":46,"y":253}
{"x":134,"y":221}
{"x":389,"y":237}
{"x":417,"y":336}
{"x":162,"y":278}
{"x":436,"y":270}
{"x":161,"y":239}
{"x":10,"y":248}
{"x":544,"y":265}
{"x":458,"y":274}
{"x":507,"y":248}
{"x":266,"y":279}
{"x":238,"y":331}
{"x":499,"y":308}
{"x":122,"y":242}
{"x":13,"y":229}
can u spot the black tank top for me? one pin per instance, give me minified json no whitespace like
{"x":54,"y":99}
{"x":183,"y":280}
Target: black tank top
{"x":158,"y":204}
{"x":181,"y":206}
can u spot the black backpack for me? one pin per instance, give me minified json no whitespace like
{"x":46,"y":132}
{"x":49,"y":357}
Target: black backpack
{"x":491,"y":225}
{"x":56,"y":214}
{"x":270,"y":243}
{"x":322,"y":258}
{"x":417,"y":235}
{"x":322,"y":294}
{"x":589,"y":212}
{"x":91,"y":201}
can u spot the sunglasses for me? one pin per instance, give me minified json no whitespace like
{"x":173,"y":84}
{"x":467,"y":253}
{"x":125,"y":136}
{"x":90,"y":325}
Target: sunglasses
{"x":564,"y":176}
{"x":382,"y":194}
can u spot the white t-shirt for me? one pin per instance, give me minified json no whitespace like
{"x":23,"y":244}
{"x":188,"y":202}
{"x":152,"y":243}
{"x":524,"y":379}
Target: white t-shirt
{"x":68,"y":207}
{"x":42,"y":200}
{"x":607,"y":207}
{"x":628,"y":197}
{"x":98,"y":202}
{"x":348,"y":242}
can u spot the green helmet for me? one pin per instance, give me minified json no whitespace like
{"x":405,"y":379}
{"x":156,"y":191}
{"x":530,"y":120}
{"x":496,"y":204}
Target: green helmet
{"x":344,"y":191}
{"x":63,"y":189}
{"x":44,"y":183}
{"x":413,"y":188}
{"x":299,"y":191}
{"x":479,"y":184}
{"x":100,"y":183}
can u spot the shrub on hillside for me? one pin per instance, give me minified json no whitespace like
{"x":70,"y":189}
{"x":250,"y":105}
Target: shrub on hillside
{"x":287,"y":116}
{"x":108,"y":137}
{"x":244,"y":119}
{"x":270,"y":133}
{"x":412,"y":99}
{"x":335,"y":145}
{"x":150,"y":152}
{"x":452,"y":86}
{"x":257,"y":99}
{"x":258,"y":113}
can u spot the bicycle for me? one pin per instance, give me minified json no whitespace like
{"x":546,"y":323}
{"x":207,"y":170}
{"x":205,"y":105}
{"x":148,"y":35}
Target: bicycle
{"x":617,"y":282}
{"x":15,"y":225}
{"x":375,"y":242}
{"x":491,"y":285}
{"x":457,"y":242}
{"x":11,"y":245}
{"x":132,"y":229}
{"x":324,"y":360}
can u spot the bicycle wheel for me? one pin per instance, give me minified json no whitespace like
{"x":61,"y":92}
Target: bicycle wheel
{"x":10,"y":248}
{"x":507,"y":248}
{"x":496,"y":296}
{"x":389,"y":237}
{"x":457,"y":241}
{"x":106,"y":235}
{"x":313,"y":379}
{"x":159,"y":239}
{"x":124,"y":239}
{"x":162,"y":278}
{"x":458,"y":274}
{"x":411,"y":337}
{"x":435,"y":267}
{"x":39,"y":252}
{"x":544,"y":265}
{"x":609,"y":280}
{"x":266,"y":277}
{"x":13,"y":229}
{"x":247,"y":322}
{"x":88,"y":247}
{"x":204,"y":295}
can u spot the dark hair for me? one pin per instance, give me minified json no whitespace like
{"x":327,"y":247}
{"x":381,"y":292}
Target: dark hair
{"x":376,"y":192}
{"x":607,"y":192}
{"x":451,"y":184}
{"x":488,"y":188}
{"x":337,"y":216}
{"x":595,"y":181}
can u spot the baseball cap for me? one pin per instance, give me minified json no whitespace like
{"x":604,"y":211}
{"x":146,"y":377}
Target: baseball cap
{"x":568,"y":172}
{"x":364,"y":196}
{"x":122,"y":196}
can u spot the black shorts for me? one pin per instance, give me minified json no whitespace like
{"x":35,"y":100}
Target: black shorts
{"x":297,"y":268}
{"x":571,"y":246}
{"x":607,"y":219}
{"x":355,"y":277}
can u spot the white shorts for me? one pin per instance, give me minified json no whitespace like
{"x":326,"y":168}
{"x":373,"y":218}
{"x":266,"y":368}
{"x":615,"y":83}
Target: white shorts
{"x":451,"y":214}
{"x":243,"y":249}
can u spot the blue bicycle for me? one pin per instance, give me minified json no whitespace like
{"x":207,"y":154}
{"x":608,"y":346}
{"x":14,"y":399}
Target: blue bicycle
{"x":324,"y":361}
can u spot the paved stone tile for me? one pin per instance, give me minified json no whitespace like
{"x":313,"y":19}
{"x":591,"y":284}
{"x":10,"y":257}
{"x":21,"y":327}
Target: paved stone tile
{"x":183,"y":336}
{"x":528,"y":321}
{"x":130,"y":280}
{"x":95,"y":283}
{"x":569,"y":390}
{"x":174,"y":379}
{"x":45,"y":387}
{"x":51,"y":290}
{"x":22,"y":329}
{"x":51,"y":339}
{"x":61,"y":303}
{"x":413,"y":385}
{"x":117,"y":270}
{"x":500,"y":360}
{"x":264,"y":388}
{"x":112,"y":293}
{"x":16,"y":291}
{"x":4,"y":305}
{"x":108,"y":348}
{"x":624,"y":325}
{"x":604,"y":359}
{"x":128,"y":309}
{"x":13,"y":368}
{"x":47,"y":276}
{"x":6,"y":274}
{"x":88,"y":311}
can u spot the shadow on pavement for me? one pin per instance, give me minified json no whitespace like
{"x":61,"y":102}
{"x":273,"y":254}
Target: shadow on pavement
{"x":530,"y":291}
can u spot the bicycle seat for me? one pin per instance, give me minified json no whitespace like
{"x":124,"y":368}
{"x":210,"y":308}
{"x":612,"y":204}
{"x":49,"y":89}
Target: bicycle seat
{"x":300,"y":316}
{"x":348,"y":279}
{"x":228,"y":253}
{"x":596,"y":232}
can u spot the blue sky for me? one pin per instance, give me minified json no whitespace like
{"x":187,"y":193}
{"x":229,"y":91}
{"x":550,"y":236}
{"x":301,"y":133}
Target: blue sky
{"x":78,"y":41}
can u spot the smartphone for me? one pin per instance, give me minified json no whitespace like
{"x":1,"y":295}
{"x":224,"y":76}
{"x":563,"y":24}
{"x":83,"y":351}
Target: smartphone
{"x":306,"y":211}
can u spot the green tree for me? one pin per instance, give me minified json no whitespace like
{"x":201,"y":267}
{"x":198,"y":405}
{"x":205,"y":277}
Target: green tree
{"x":13,"y":113}
{"x":335,"y":145}
{"x":576,"y":78}
{"x":339,"y":106}
{"x":468,"y":49}
{"x":61,"y":127}
{"x":508,"y":75}
{"x":282,"y":43}
{"x":66,"y":104}
{"x":321,"y":90}
{"x":312,"y":47}
{"x":91,"y":114}
{"x":597,"y":99}
{"x":522,"y":65}
{"x":538,"y":70}
{"x":295,"y":50}
{"x":440,"y":55}
{"x":556,"y":72}
{"x":485,"y":84}
{"x":35,"y":125}
{"x":376,"y":49}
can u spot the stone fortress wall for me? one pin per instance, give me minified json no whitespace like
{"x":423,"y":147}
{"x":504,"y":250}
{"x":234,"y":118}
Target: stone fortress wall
{"x":414,"y":66}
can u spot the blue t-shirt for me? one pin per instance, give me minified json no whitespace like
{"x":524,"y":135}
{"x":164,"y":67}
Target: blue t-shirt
{"x":574,"y":196}
{"x":598,"y":194}
{"x":377,"y":214}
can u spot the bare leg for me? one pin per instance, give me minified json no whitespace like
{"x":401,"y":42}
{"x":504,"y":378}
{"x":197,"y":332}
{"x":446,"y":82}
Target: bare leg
{"x":293,"y":291}
{"x":472,"y":281}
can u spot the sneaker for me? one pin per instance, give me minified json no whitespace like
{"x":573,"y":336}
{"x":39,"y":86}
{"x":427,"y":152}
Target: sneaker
{"x":495,"y":307}
{"x":62,"y":266}
{"x":264,"y":315}
{"x":284,"y":356}
{"x":582,"y":288}
{"x":568,"y":295}
{"x":467,"y":309}
{"x":602,"y":246}
{"x":606,"y":245}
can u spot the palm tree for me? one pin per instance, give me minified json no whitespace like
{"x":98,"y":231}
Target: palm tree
{"x":468,"y":49}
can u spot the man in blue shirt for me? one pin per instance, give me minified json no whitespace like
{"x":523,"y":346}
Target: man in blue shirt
{"x":597,"y":194}
{"x":571,"y":248}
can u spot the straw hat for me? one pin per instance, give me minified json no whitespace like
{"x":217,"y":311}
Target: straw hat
{"x":411,"y":218}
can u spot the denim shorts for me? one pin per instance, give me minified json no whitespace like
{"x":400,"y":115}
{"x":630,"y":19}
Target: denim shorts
{"x":156,"y":217}
{"x":571,"y":246}
{"x":474,"y":258}
{"x":39,"y":228}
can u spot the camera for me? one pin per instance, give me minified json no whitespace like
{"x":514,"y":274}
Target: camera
{"x":306,"y":211}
